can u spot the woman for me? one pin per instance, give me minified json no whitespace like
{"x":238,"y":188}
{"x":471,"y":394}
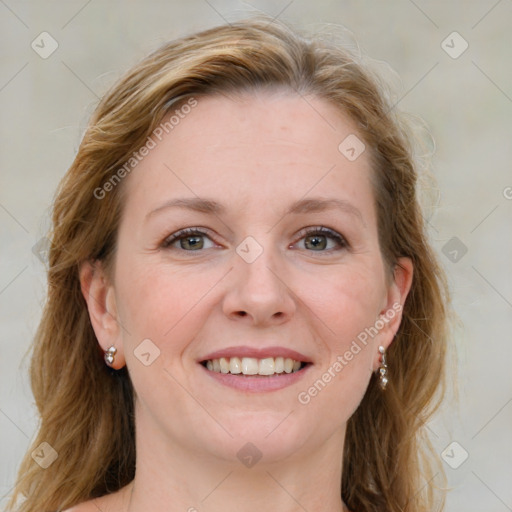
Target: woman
{"x":243,"y":308}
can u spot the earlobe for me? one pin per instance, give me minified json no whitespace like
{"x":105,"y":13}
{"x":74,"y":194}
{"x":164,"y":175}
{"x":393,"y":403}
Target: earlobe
{"x":100,"y":297}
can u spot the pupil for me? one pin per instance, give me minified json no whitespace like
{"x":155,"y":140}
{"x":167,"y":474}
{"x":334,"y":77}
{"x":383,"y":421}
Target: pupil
{"x":192,"y":242}
{"x":316,"y":242}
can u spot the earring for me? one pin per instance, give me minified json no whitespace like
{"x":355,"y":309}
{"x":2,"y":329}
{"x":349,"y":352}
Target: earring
{"x":110,"y":355}
{"x":383,"y":369}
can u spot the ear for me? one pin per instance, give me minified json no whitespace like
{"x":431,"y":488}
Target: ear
{"x":391,"y":314}
{"x":101,"y":303}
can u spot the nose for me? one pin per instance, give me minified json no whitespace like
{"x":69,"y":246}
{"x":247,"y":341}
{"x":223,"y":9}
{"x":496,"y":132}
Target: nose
{"x":258,"y":293}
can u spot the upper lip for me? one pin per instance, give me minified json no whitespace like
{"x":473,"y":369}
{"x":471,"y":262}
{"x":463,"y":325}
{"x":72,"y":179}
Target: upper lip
{"x":258,"y":353}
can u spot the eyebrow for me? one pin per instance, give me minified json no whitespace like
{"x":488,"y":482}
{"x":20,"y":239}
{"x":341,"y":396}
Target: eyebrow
{"x":312,"y":205}
{"x":191,"y":203}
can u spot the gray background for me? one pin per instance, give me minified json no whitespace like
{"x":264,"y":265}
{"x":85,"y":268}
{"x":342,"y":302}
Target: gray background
{"x":466,"y":102}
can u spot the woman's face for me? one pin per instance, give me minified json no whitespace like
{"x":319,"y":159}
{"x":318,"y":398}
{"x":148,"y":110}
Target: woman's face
{"x":279,"y":259}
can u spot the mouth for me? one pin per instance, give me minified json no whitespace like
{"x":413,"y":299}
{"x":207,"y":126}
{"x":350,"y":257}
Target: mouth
{"x":255,"y":367}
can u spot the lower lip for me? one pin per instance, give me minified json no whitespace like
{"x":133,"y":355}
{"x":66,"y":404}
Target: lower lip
{"x":257,"y":384}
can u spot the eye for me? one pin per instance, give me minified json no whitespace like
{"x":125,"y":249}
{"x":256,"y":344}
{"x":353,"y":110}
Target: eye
{"x":322,"y":239}
{"x":189,"y":239}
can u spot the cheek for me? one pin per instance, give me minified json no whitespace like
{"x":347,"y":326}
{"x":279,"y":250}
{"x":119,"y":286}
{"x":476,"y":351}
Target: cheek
{"x":347,"y":300}
{"x":337,"y":387}
{"x":348,"y":304}
{"x":158,"y":302}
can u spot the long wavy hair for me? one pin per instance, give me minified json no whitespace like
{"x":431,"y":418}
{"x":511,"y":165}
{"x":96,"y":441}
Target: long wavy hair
{"x":87,"y":410}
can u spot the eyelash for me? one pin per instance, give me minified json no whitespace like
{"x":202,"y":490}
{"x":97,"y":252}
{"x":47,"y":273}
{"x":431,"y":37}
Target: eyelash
{"x":317,"y":230}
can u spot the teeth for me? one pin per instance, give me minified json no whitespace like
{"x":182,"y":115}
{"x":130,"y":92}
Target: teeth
{"x":249,"y":366}
{"x":224,"y":365}
{"x":253,"y":366}
{"x":235,"y":365}
{"x":267,"y":366}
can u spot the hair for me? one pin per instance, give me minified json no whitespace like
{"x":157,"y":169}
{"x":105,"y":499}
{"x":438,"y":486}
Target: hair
{"x":87,"y":410}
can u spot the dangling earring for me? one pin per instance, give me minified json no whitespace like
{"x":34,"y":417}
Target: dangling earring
{"x":110,"y":355}
{"x":383,"y":369}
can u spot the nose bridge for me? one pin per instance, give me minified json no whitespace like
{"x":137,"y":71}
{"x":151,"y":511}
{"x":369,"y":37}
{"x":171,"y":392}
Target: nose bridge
{"x":261,"y":275}
{"x":257,"y":289}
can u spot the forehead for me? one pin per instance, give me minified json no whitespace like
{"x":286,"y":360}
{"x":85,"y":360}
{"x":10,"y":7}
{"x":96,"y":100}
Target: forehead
{"x":253,"y":148}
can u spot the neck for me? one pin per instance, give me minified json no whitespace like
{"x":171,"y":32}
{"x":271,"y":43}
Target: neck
{"x":175,"y":478}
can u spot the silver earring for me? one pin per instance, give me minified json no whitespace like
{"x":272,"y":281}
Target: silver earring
{"x":110,"y":355}
{"x":383,"y":369}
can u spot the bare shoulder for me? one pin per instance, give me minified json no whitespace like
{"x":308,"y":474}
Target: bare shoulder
{"x":108,"y":503}
{"x":94,"y":505}
{"x":86,"y":506}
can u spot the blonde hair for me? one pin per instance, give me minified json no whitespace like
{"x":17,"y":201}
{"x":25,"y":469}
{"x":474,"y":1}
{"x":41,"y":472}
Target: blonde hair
{"x":86,"y":409}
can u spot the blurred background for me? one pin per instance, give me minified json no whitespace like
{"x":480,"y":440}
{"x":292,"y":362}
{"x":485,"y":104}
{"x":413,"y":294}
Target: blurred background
{"x":454,"y":61}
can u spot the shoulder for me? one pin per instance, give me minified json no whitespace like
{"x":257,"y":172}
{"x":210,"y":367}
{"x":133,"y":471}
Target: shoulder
{"x":113,"y":502}
{"x":87,"y":506}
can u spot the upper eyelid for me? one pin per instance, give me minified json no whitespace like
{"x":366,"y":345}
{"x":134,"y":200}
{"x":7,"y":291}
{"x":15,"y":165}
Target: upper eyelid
{"x":324,"y":230}
{"x":182,"y":233}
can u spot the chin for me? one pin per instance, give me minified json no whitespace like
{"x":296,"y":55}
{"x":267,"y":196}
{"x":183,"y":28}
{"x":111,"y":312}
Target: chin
{"x":261,"y":436}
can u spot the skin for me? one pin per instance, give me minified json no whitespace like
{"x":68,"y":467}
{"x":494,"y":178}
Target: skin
{"x":255,"y":154}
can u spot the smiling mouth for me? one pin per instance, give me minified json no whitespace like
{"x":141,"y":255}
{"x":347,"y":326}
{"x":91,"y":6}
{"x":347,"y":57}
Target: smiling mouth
{"x":251,"y":366}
